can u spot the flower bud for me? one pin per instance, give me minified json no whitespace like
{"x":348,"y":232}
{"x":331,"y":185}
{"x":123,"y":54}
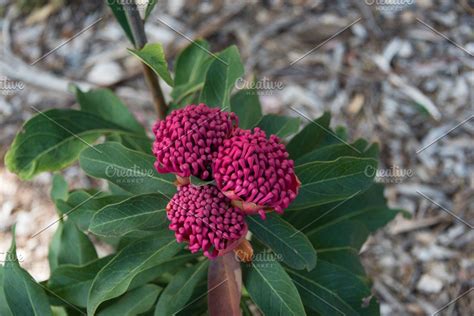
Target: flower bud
{"x":255,"y":172}
{"x":204,"y":218}
{"x":188,"y":139}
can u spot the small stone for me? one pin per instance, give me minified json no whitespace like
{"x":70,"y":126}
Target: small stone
{"x":104,"y":74}
{"x":429,"y":284}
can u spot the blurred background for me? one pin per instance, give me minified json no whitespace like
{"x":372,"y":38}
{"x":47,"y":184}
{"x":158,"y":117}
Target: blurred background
{"x":397,"y":72}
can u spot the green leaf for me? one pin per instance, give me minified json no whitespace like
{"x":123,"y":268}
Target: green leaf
{"x":180,"y":289}
{"x":53,"y":139}
{"x":285,"y":240}
{"x":72,"y":283}
{"x":331,"y":152}
{"x":164,"y":272}
{"x":345,"y":257}
{"x":329,"y":181}
{"x":281,"y":126}
{"x":197,"y":182}
{"x":224,"y":70}
{"x":310,"y":137}
{"x":119,"y":12}
{"x":23,"y":295}
{"x":271,"y":289}
{"x":150,"y":6}
{"x":190,"y":69}
{"x":154,"y":56}
{"x":189,"y":63}
{"x":81,"y":206}
{"x":114,"y":279}
{"x":142,"y":212}
{"x":246,"y":105}
{"x":59,"y":189}
{"x":105,"y":104}
{"x":73,"y":238}
{"x":355,"y":234}
{"x":4,"y":309}
{"x":367,"y":210}
{"x":54,"y":247}
{"x":131,"y":170}
{"x":132,"y":303}
{"x":334,"y":288}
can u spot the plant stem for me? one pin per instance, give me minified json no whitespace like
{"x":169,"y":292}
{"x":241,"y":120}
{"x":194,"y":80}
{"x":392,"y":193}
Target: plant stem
{"x":138,"y":31}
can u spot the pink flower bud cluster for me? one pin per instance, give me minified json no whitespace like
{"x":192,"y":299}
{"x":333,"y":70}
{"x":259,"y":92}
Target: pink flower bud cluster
{"x":253,"y":174}
{"x":255,"y":171}
{"x":205,"y":218}
{"x":188,"y":139}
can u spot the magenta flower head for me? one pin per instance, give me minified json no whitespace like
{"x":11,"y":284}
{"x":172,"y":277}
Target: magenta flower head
{"x":205,"y":218}
{"x":188,"y":139}
{"x":255,"y":172}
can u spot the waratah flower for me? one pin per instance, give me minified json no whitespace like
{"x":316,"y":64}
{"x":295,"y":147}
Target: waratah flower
{"x":255,"y":172}
{"x":205,"y":218}
{"x":188,"y":139}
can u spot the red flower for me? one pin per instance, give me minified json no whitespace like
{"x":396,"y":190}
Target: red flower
{"x":187,"y":140}
{"x":205,"y":218}
{"x":255,"y":172}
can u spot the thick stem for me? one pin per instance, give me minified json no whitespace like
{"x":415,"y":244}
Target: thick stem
{"x":224,"y":286}
{"x":138,"y":32}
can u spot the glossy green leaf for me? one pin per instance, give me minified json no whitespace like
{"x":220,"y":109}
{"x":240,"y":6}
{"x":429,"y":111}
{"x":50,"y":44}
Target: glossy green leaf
{"x":72,"y":283}
{"x":81,"y":206}
{"x":23,"y":294}
{"x":329,"y":181}
{"x":59,"y":188}
{"x":224,"y":70}
{"x":355,"y":234}
{"x":345,"y":257}
{"x":359,"y":149}
{"x":107,"y":105}
{"x":53,"y":139}
{"x":284,"y":240}
{"x":335,"y":288}
{"x":164,"y":272}
{"x":190,"y":71}
{"x":271,"y":288}
{"x":142,"y":212}
{"x":114,"y":279}
{"x":198,"y":302}
{"x":281,"y":126}
{"x":153,"y":55}
{"x":131,"y":170}
{"x":54,"y":247}
{"x":310,"y":137}
{"x":4,"y":308}
{"x":367,"y":209}
{"x":73,"y":238}
{"x":134,"y":302}
{"x":246,"y":105}
{"x":180,"y":289}
{"x":119,"y":12}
